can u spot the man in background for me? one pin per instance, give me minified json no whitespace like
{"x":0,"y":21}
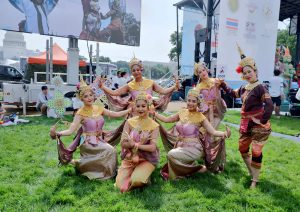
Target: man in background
{"x":44,"y":96}
{"x":276,"y":91}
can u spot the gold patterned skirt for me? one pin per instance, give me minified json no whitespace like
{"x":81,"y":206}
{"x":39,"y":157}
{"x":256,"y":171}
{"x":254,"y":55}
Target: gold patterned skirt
{"x":97,"y":161}
{"x":182,"y":160}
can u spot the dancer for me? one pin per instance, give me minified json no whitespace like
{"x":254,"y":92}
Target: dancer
{"x":139,"y":153}
{"x":213,"y":108}
{"x":98,"y":159}
{"x":139,"y":84}
{"x":187,"y":141}
{"x":256,"y":111}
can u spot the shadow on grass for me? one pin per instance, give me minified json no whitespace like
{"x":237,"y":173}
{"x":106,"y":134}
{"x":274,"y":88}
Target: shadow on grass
{"x":149,"y":195}
{"x":282,"y":197}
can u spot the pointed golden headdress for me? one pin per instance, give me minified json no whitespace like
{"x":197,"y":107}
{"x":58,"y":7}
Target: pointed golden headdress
{"x":82,"y":87}
{"x":135,"y":61}
{"x":245,"y":61}
{"x":199,"y":65}
{"x":195,"y":93}
{"x":144,"y":96}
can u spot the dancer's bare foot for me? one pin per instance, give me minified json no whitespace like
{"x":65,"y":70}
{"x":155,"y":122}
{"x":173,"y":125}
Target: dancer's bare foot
{"x":73,"y":162}
{"x":203,"y":169}
{"x":253,"y":184}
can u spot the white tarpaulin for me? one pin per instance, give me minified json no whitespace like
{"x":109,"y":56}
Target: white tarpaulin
{"x":253,"y":25}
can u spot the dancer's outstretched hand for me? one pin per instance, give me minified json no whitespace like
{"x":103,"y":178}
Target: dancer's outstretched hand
{"x":53,"y":132}
{"x":100,"y":81}
{"x":228,"y":132}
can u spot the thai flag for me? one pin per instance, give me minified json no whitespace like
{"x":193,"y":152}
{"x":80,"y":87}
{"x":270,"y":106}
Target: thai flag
{"x":232,"y":23}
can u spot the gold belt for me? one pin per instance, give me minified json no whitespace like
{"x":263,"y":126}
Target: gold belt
{"x":92,"y":133}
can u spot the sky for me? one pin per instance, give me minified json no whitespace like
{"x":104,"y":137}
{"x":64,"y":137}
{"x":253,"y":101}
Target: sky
{"x":158,"y":22}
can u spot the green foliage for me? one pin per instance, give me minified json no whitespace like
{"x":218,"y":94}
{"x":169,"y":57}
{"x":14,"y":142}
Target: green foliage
{"x":122,"y":65}
{"x":156,"y":71}
{"x":284,"y":39}
{"x":30,"y":179}
{"x":101,"y":59}
{"x":173,"y":40}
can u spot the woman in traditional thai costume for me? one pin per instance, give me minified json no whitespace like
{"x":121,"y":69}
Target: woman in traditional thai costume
{"x":137,"y":85}
{"x":256,"y":111}
{"x":98,"y":159}
{"x":139,"y":152}
{"x":213,"y":108}
{"x":186,"y":139}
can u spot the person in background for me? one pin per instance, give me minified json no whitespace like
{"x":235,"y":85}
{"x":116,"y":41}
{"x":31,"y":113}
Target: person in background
{"x":276,"y":91}
{"x":44,"y":96}
{"x":2,"y":112}
{"x":123,"y":79}
{"x":117,"y":80}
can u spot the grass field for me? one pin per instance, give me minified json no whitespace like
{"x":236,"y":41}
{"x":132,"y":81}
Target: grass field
{"x":285,"y":125}
{"x":30,"y":179}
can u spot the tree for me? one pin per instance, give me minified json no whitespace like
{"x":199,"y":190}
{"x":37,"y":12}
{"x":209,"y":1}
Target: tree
{"x":122,"y":65}
{"x":102,"y":59}
{"x":173,"y":40}
{"x":284,"y":39}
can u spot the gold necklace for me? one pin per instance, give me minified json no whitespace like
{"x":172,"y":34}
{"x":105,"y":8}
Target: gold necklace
{"x":251,"y":86}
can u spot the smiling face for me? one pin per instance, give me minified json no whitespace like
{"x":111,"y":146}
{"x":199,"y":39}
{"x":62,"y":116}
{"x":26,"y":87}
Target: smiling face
{"x":141,"y":108}
{"x":249,"y":74}
{"x":136,"y":71}
{"x":88,"y":98}
{"x":192,"y":103}
{"x":202,"y":73}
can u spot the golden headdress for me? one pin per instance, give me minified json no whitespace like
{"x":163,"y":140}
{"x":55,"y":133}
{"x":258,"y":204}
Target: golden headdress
{"x":195,"y":93}
{"x":82,"y":87}
{"x":245,"y":61}
{"x":199,"y":65}
{"x":144,"y":96}
{"x":135,"y":61}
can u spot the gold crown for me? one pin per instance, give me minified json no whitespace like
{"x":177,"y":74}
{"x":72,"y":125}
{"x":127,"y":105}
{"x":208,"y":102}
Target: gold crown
{"x":83,"y":87}
{"x":141,"y":96}
{"x":194,"y":93}
{"x":246,"y":61}
{"x":199,"y":65}
{"x":135,"y":61}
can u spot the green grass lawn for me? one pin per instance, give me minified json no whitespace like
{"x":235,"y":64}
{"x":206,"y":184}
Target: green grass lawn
{"x":286,"y":124}
{"x":30,"y":179}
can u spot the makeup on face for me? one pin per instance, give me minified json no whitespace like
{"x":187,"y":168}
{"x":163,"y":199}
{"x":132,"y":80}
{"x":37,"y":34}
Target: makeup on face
{"x":249,"y":74}
{"x":202,"y":73}
{"x":88,"y":98}
{"x":141,"y":108}
{"x":136,"y":71}
{"x":192,"y":103}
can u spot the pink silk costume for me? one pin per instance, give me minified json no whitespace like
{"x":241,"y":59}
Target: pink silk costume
{"x":214,"y":108}
{"x":185,"y":145}
{"x":136,"y":168}
{"x":98,"y":159}
{"x":121,"y":103}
